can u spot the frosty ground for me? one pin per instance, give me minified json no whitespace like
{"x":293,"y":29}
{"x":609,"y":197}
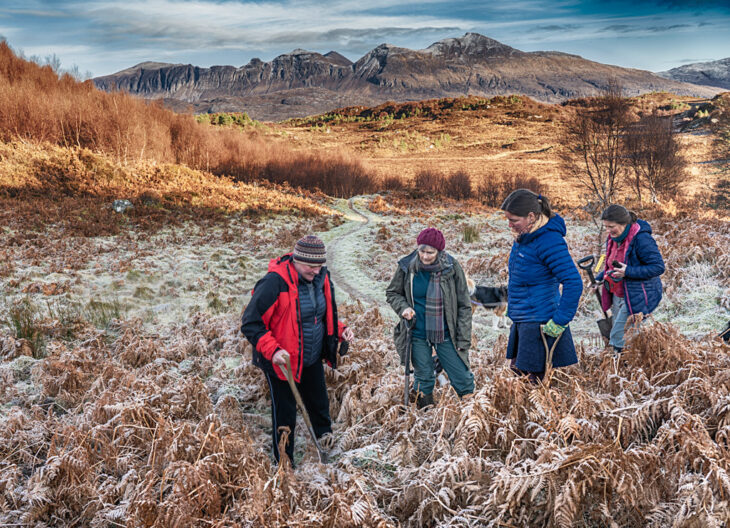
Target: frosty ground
{"x":149,"y":413}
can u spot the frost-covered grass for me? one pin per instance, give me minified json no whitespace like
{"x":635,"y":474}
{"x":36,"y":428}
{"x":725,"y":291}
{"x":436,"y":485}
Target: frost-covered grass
{"x":144,"y":407}
{"x":695,"y":305}
{"x":160,"y":278}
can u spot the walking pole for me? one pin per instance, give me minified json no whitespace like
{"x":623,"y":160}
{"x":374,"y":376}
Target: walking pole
{"x":407,"y":361}
{"x":323,"y":457}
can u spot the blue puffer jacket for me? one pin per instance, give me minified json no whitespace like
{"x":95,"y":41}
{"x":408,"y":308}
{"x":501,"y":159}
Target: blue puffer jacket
{"x":644,"y":265}
{"x":312,"y":306}
{"x":538,"y":264}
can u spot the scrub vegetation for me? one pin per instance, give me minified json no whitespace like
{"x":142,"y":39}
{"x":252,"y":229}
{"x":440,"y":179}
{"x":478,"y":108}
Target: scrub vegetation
{"x":127,"y":397}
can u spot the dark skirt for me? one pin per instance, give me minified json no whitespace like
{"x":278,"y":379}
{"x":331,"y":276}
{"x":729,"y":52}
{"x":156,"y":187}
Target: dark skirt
{"x":526,"y":348}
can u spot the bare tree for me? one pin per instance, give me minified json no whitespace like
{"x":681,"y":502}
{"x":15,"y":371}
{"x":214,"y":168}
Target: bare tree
{"x":654,"y":154}
{"x":718,"y":195}
{"x":593,"y":146}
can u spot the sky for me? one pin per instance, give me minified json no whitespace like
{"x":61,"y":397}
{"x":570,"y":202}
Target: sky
{"x":99,"y":37}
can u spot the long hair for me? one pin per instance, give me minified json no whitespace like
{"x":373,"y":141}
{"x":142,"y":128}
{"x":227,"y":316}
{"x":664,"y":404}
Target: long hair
{"x":522,"y":202}
{"x":618,"y":214}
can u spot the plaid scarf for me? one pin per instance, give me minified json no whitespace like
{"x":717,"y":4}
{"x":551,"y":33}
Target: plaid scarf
{"x":434,"y":304}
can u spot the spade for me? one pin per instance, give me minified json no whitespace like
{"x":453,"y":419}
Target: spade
{"x":606,"y":324}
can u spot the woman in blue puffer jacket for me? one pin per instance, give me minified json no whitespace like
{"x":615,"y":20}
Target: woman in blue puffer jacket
{"x":631,"y":282}
{"x":539,"y":264}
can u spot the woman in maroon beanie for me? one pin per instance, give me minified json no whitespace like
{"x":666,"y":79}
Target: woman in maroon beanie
{"x":430,"y":286}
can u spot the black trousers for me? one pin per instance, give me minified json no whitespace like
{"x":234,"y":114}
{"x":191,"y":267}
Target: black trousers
{"x":284,"y":407}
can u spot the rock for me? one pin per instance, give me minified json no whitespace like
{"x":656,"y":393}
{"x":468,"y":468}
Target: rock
{"x":21,"y":367}
{"x":122,"y":205}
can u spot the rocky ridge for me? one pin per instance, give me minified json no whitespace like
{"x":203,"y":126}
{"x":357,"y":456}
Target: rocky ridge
{"x":304,"y":82}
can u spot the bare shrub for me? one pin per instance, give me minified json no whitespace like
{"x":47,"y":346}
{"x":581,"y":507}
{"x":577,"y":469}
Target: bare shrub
{"x":392,"y":183}
{"x":428,"y":181}
{"x":458,"y":185}
{"x":489,"y":190}
{"x":332,"y":175}
{"x":653,"y":151}
{"x":718,"y":194}
{"x":592,"y":145}
{"x":493,"y":189}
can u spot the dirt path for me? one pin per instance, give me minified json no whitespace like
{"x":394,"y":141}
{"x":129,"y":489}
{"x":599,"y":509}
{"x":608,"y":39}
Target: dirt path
{"x":483,"y":157}
{"x":341,"y":262}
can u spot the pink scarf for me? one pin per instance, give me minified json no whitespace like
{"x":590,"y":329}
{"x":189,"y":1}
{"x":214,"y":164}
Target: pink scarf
{"x":617,"y":252}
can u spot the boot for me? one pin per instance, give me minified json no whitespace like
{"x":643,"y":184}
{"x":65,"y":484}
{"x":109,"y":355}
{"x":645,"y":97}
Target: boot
{"x":424,"y":400}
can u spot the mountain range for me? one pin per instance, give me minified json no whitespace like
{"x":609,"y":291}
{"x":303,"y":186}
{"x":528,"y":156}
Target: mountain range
{"x":302,"y":82}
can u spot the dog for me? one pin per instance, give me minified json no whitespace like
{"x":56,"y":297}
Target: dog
{"x":492,"y":298}
{"x":725,"y":334}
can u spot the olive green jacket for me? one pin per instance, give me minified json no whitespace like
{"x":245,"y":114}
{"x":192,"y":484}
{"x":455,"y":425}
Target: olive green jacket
{"x":457,"y":305}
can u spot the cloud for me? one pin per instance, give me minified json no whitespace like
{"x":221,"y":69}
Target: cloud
{"x":557,"y":28}
{"x":33,"y":13}
{"x":690,"y":61}
{"x":661,"y":29}
{"x":230,"y":25}
{"x":352,"y":38}
{"x":640,"y":29}
{"x":618,"y":28}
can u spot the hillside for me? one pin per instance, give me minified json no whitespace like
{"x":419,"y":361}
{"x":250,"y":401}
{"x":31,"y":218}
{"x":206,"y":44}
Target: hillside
{"x":302,"y":82}
{"x":487,"y":138}
{"x":713,"y":73}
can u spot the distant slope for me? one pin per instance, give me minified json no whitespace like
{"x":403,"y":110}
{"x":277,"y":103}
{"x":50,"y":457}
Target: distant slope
{"x":713,"y":73}
{"x":303,"y":83}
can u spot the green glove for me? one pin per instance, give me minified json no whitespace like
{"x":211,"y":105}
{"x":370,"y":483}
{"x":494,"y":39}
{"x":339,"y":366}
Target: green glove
{"x":553,"y":329}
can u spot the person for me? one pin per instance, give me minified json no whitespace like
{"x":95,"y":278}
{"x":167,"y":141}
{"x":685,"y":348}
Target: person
{"x":430,"y":286}
{"x":539,"y":263}
{"x":293,"y":314}
{"x":631,"y":282}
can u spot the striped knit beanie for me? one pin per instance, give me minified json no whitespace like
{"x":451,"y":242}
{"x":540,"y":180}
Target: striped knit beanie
{"x":310,"y":250}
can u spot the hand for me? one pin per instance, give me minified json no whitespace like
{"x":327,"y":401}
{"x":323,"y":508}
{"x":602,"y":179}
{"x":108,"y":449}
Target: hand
{"x":408,"y":313}
{"x":619,"y":272}
{"x":348,"y":334}
{"x":280,"y":358}
{"x":595,"y":285}
{"x":552,"y":329}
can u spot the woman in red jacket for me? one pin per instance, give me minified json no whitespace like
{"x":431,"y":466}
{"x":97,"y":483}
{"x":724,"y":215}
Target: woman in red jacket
{"x":293,"y":314}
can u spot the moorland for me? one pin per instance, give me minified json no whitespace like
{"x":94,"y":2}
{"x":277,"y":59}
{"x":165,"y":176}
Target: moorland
{"x":127,"y":397}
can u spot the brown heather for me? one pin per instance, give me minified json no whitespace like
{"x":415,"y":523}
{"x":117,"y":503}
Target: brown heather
{"x":39,"y":106}
{"x":125,"y":442}
{"x":75,"y":187}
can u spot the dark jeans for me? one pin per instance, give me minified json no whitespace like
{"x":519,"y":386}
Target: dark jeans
{"x":284,"y":407}
{"x":460,"y":376}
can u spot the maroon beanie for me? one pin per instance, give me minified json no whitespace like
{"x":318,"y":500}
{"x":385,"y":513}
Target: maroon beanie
{"x":432,"y":237}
